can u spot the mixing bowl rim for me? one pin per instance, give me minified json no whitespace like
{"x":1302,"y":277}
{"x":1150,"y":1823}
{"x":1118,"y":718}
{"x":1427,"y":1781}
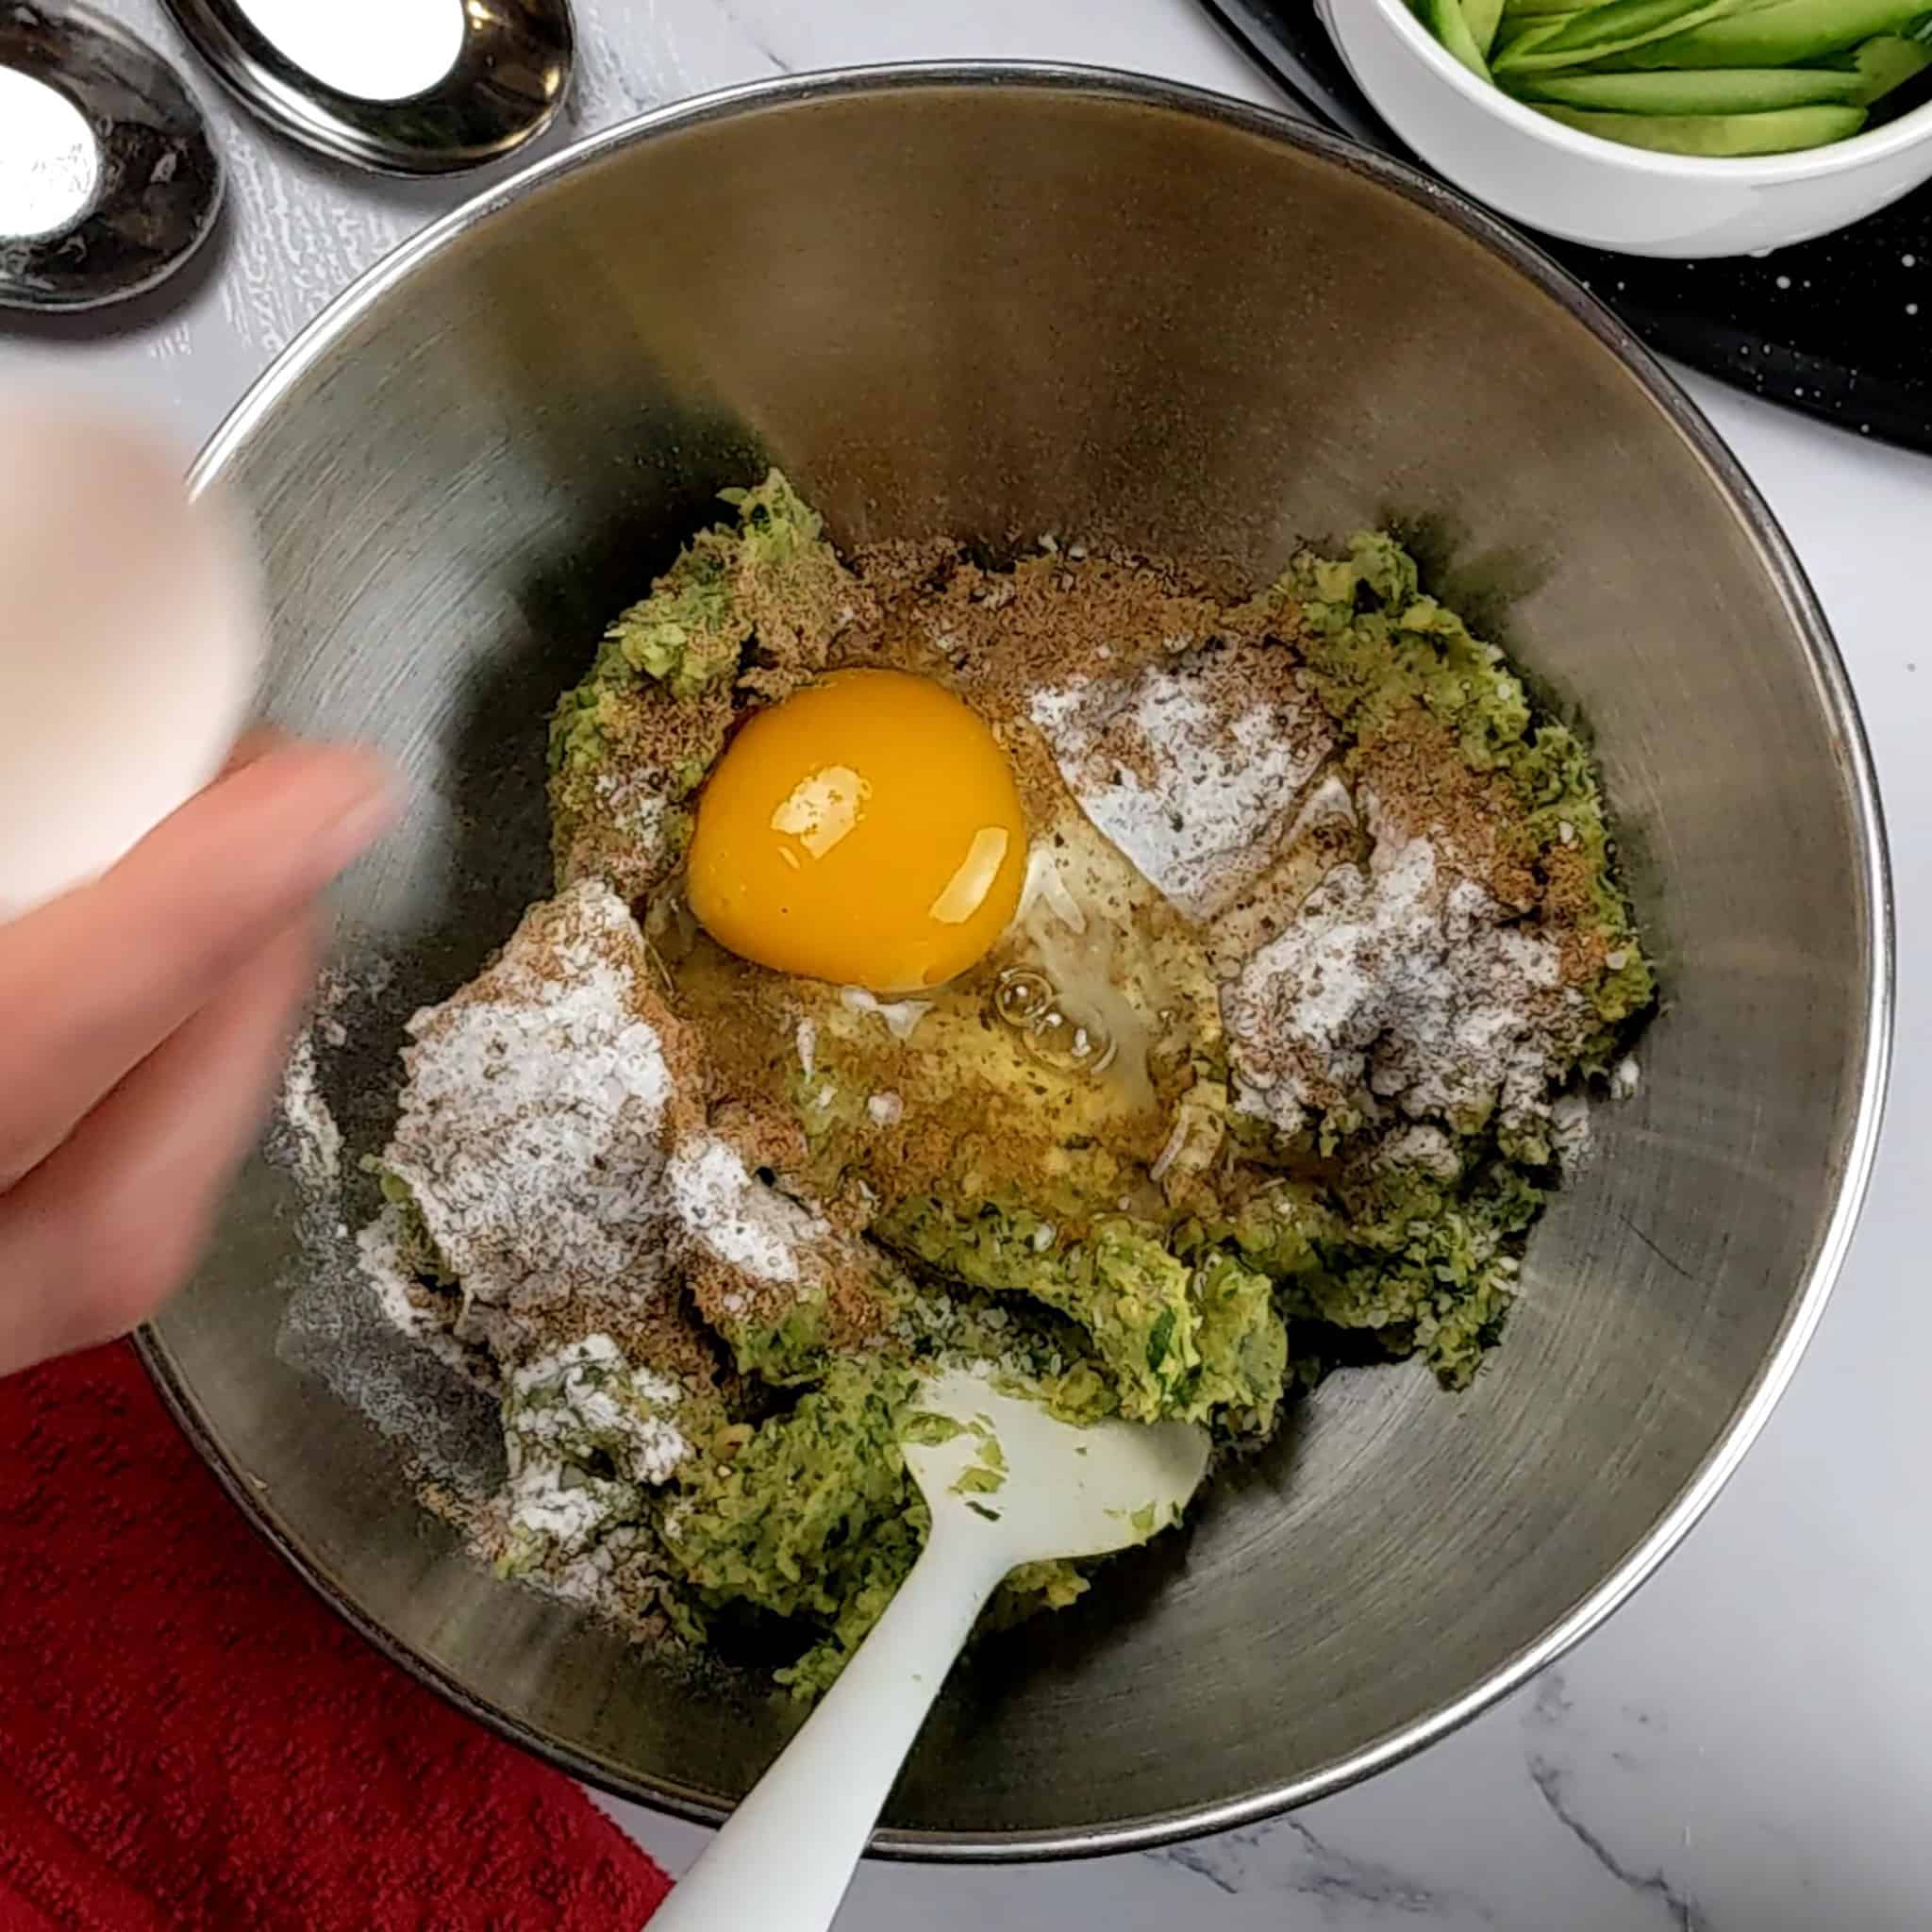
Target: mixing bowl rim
{"x":1834,"y":693}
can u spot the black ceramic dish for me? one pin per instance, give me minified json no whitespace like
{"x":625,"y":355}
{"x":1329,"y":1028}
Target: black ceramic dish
{"x":1840,"y":328}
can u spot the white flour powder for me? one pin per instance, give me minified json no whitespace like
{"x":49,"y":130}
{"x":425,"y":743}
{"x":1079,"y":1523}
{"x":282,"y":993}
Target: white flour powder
{"x":1190,"y":768}
{"x":316,"y":1141}
{"x":636,"y":809}
{"x":549,"y":1499}
{"x":534,"y":1111}
{"x":735,"y":1217}
{"x":900,"y":1017}
{"x":1398,"y":983}
{"x":587,"y":1392}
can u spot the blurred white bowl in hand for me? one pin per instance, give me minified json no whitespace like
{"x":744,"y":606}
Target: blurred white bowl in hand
{"x":131,"y":636}
{"x":1551,"y":177}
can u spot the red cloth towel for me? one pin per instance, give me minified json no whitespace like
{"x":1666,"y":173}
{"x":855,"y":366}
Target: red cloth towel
{"x":189,"y":1738}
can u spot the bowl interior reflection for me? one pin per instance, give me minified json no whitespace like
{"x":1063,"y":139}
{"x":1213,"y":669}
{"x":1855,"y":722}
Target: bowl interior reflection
{"x":1003,"y":305}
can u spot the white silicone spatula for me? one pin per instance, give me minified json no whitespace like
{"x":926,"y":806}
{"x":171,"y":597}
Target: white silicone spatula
{"x":783,"y":1862}
{"x":130,"y":641}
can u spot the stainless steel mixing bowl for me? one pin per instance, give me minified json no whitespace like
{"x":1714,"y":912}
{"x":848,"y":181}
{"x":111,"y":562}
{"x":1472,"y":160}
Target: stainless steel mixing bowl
{"x":1002,"y":303}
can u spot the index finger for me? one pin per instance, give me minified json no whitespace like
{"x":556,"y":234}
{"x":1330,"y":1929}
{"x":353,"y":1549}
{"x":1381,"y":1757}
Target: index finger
{"x":93,"y":982}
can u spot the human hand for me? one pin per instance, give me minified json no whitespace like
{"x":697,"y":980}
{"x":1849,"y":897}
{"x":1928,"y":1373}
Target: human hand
{"x":143,"y":1023}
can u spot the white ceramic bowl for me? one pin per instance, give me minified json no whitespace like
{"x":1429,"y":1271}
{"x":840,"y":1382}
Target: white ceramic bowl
{"x":1551,"y":177}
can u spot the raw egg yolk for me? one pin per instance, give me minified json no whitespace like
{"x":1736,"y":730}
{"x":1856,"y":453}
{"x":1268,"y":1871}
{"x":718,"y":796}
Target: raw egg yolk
{"x":864,"y":830}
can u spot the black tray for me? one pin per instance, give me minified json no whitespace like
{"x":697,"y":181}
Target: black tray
{"x":1840,"y":328}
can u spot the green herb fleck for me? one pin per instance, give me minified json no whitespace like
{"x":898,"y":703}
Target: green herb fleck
{"x":925,"y":1430}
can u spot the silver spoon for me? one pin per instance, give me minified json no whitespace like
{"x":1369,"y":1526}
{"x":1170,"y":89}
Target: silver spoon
{"x":406,"y":87}
{"x":108,"y":181}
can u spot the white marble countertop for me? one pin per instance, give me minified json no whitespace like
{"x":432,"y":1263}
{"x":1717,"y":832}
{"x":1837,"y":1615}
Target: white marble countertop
{"x":1748,"y":1746}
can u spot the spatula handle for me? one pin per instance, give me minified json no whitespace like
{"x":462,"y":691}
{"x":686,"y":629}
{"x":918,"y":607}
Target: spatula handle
{"x":786,"y":1857}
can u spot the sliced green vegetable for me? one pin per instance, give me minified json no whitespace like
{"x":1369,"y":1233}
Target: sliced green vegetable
{"x":1446,"y":20}
{"x":1773,"y":33}
{"x":1620,"y":26}
{"x":1533,"y":19}
{"x":1788,"y":130}
{"x":1717,"y":91}
{"x":1484,"y":17}
{"x":1886,"y":63}
{"x":1711,"y":77}
{"x":1523,"y":36}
